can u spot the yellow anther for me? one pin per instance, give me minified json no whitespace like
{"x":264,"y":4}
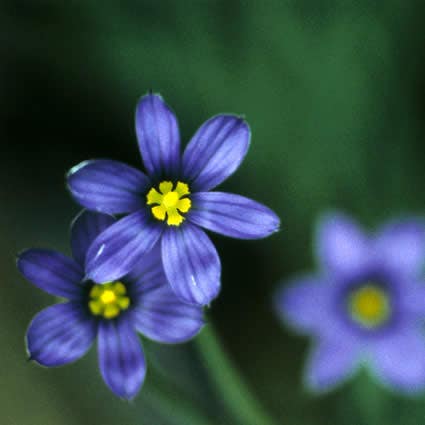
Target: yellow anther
{"x":174,"y":218}
{"x":159,"y":212}
{"x":109,"y":299}
{"x":154,"y":197}
{"x":119,"y":288}
{"x":165,"y":187}
{"x":369,"y":305}
{"x":169,"y":203}
{"x":96,"y":307}
{"x":184,"y":205}
{"x":182,"y":189}
{"x":111,"y":311}
{"x":123,"y":302}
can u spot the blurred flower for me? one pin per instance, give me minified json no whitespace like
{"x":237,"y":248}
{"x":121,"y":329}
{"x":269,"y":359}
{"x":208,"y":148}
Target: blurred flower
{"x":172,"y":202}
{"x":113,"y":312}
{"x":367,"y":304}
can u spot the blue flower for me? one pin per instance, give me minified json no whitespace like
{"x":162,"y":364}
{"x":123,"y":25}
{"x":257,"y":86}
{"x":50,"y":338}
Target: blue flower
{"x":172,"y":202}
{"x":114,"y":312}
{"x":366,"y":304}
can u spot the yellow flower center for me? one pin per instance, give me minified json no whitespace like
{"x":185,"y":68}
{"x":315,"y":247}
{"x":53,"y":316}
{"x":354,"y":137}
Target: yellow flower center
{"x":108,"y":299}
{"x":369,"y":305}
{"x":169,"y":203}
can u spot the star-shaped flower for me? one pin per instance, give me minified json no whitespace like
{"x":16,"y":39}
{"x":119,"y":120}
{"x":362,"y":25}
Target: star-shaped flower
{"x":172,"y":202}
{"x":113,"y":312}
{"x":365,"y":306}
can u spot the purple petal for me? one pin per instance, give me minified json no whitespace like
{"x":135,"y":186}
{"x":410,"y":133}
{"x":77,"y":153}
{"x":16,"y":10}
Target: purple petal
{"x":60,"y":334}
{"x":148,"y":272}
{"x":306,"y":305}
{"x":191,"y":264}
{"x":158,"y":313}
{"x":400,"y":361}
{"x":232,"y":215}
{"x":52,"y":272}
{"x":412,"y":298}
{"x":341,"y":246}
{"x":330,"y":363}
{"x":161,"y":316}
{"x":107,"y":186}
{"x":121,"y":359}
{"x":118,"y":249}
{"x":84,"y":230}
{"x":215,"y":151}
{"x":400,"y":246}
{"x":158,"y":135}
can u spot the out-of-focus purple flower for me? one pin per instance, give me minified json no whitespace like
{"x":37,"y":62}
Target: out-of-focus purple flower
{"x":114,"y":312}
{"x":366,"y":304}
{"x":172,"y":202}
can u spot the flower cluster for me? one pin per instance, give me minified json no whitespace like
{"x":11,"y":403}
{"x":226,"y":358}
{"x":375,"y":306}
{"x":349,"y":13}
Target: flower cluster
{"x":153,"y":270}
{"x":365,"y":306}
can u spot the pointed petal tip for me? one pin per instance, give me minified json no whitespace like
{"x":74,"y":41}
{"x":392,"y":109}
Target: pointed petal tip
{"x":77,"y":168}
{"x":147,"y":96}
{"x":239,"y":118}
{"x":127,"y":397}
{"x":18,"y":257}
{"x":22,"y":253}
{"x":277,"y":229}
{"x":275,"y":224}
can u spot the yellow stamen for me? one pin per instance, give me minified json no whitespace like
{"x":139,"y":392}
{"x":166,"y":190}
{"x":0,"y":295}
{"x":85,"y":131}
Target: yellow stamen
{"x":369,"y":305}
{"x":182,"y":189}
{"x":165,"y":187}
{"x":108,"y":299}
{"x":169,"y":203}
{"x":184,"y":205}
{"x":111,"y":311}
{"x":154,"y":197}
{"x":160,"y":212}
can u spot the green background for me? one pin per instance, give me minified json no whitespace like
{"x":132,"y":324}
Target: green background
{"x":334,"y":94}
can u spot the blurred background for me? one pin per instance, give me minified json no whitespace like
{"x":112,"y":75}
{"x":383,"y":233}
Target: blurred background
{"x":334,"y":93}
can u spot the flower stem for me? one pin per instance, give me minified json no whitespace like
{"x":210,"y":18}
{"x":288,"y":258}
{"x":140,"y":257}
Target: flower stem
{"x":228,"y":384}
{"x":173,"y":405}
{"x":368,"y":400}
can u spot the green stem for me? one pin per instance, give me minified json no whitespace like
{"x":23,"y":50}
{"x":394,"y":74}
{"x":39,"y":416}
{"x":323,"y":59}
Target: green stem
{"x":368,"y":400}
{"x":229,"y":385}
{"x":173,"y":405}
